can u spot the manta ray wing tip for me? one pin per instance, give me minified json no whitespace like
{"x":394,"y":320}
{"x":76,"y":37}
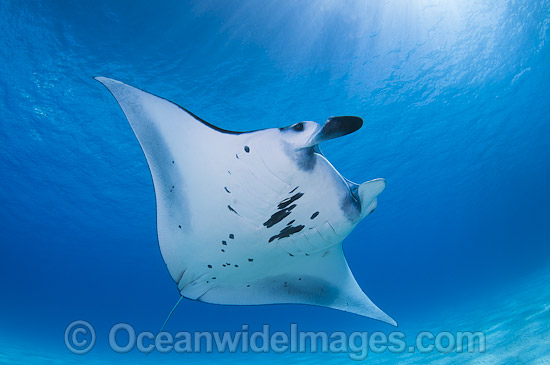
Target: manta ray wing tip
{"x":391,"y":321}
{"x":380,"y":315}
{"x":107,"y":82}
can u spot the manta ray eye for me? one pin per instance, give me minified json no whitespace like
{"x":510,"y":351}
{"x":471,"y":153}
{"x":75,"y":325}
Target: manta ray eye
{"x":298,"y":127}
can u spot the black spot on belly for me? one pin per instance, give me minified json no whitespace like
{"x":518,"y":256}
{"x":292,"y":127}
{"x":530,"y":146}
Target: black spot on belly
{"x":278,"y":216}
{"x":314,"y":215}
{"x":285,"y":203}
{"x":226,"y":189}
{"x":287,"y":232}
{"x":246,"y":149}
{"x":231,"y":236}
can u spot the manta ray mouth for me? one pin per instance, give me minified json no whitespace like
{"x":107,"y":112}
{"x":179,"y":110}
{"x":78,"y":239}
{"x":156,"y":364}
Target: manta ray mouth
{"x":354,"y":191}
{"x":353,"y":187}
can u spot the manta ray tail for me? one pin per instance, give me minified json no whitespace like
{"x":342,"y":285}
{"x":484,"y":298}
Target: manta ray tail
{"x":170,"y":314}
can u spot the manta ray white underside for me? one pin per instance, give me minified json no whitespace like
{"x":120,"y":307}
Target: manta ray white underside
{"x":251,"y":217}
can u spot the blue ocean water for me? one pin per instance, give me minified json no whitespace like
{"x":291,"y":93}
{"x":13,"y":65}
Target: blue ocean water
{"x":454,"y":95}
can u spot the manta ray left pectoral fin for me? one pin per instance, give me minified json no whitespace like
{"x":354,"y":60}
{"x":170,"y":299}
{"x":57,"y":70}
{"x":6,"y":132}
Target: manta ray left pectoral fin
{"x":322,"y":279}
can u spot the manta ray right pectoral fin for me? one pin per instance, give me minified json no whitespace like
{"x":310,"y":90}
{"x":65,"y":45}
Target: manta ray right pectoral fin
{"x":162,"y":127}
{"x":171,"y":138}
{"x":321,"y":279}
{"x":368,"y":191}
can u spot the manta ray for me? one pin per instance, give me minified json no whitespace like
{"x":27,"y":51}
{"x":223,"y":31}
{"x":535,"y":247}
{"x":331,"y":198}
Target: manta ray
{"x":248,"y":218}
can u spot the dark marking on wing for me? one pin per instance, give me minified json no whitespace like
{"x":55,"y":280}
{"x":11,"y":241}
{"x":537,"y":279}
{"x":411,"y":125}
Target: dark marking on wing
{"x":289,"y":223}
{"x":287,"y":232}
{"x":293,"y":190}
{"x":233,"y":210}
{"x":278,"y":216}
{"x":314,"y":215}
{"x":221,"y":130}
{"x":226,"y":189}
{"x":237,"y":156}
{"x":285,"y":203}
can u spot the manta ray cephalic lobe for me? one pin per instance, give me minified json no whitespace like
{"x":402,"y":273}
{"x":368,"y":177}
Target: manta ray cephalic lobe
{"x":251,"y":217}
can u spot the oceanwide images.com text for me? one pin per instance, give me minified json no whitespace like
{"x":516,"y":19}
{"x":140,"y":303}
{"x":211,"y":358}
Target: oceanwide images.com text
{"x":80,"y":338}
